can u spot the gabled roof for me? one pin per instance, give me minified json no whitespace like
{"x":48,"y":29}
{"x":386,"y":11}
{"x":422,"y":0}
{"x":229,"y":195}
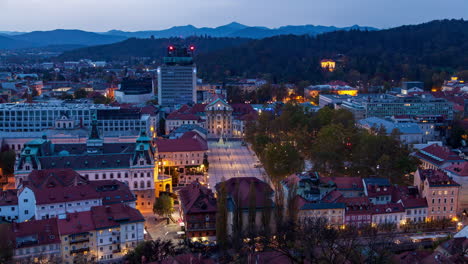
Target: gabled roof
{"x":108,"y":216}
{"x":437,"y":155}
{"x":109,"y":191}
{"x":409,"y":197}
{"x":55,"y":177}
{"x":196,"y":198}
{"x":36,"y":232}
{"x":332,"y":196}
{"x":241,"y":199}
{"x":76,"y":223}
{"x":388,"y":208}
{"x":190,"y":141}
{"x":8,"y":197}
{"x":441,"y":180}
{"x":321,"y":206}
{"x":182,"y":116}
{"x":459,"y":170}
{"x":344,"y":183}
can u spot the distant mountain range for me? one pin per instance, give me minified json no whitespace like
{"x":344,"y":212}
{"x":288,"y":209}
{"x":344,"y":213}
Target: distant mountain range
{"x":18,"y":40}
{"x":428,"y":52}
{"x":233,"y":29}
{"x":56,"y":37}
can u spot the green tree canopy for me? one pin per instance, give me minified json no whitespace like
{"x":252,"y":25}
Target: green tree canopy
{"x":164,"y":205}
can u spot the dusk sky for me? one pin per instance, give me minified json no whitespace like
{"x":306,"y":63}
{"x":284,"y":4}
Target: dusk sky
{"x":134,"y":15}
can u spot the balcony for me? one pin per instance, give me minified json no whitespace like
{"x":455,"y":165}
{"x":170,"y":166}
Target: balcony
{"x":116,"y":251}
{"x":202,"y":227}
{"x":80,"y":250}
{"x":27,"y":243}
{"x":79,"y":240}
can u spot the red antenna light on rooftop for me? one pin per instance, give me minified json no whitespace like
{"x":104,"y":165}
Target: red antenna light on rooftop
{"x":192,"y":48}
{"x":171,"y":48}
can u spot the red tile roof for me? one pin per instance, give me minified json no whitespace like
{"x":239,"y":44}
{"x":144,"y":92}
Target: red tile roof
{"x":196,"y":198}
{"x":75,"y":223}
{"x":149,"y":109}
{"x":109,"y":191}
{"x":43,"y":231}
{"x":440,"y":179}
{"x":55,"y":177}
{"x":8,"y":197}
{"x":352,"y":201}
{"x":332,"y":196}
{"x":460,"y":170}
{"x":190,"y":141}
{"x":108,"y":216}
{"x":182,"y":116}
{"x":409,"y":196}
{"x":411,"y":257}
{"x":197,"y":108}
{"x":243,"y":195}
{"x":387,"y":208}
{"x":375,"y":191}
{"x":344,"y":183}
{"x":242,"y":108}
{"x":437,"y":155}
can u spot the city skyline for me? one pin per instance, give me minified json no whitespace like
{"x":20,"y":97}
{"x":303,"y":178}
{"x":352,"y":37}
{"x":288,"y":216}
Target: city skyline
{"x":32,"y":15}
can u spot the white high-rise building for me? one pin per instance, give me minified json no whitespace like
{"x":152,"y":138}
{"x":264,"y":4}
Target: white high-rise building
{"x":177,"y":78}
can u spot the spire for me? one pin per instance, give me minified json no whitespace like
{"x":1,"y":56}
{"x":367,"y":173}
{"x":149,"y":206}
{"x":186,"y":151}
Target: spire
{"x":94,"y":130}
{"x":143,"y":138}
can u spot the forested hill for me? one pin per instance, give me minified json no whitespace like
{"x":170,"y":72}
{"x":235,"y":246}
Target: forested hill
{"x":426,"y":52}
{"x":153,"y":48}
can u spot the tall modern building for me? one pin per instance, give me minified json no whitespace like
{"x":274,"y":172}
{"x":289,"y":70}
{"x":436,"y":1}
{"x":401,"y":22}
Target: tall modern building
{"x":177,"y":77}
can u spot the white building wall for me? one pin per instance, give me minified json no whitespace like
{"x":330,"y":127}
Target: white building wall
{"x":26,"y":204}
{"x":9,"y":212}
{"x":44,"y":211}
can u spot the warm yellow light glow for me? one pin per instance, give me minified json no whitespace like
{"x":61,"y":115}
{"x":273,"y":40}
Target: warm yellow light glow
{"x":328,"y":64}
{"x":347,"y":92}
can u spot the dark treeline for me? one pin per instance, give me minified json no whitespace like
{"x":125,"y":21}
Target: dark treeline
{"x":428,"y":52}
{"x":151,"y":48}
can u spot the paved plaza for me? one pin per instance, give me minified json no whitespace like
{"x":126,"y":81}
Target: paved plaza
{"x":230,"y":159}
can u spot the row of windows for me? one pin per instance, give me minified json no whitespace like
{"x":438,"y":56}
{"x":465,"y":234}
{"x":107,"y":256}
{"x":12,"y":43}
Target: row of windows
{"x":69,"y":205}
{"x":186,"y":155}
{"x":11,"y":208}
{"x":444,"y":192}
{"x":438,"y":209}
{"x":37,"y":249}
{"x":142,"y":184}
{"x":119,"y":175}
{"x":439,"y":200}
